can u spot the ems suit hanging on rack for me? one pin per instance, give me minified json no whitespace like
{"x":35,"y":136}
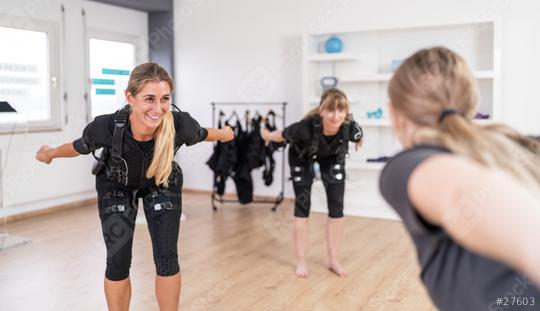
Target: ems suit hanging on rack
{"x":248,"y":151}
{"x":269,"y":150}
{"x":245,"y":153}
{"x":322,"y":138}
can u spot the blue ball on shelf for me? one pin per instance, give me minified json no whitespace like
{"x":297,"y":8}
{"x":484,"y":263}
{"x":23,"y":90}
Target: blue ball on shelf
{"x":333,"y":45}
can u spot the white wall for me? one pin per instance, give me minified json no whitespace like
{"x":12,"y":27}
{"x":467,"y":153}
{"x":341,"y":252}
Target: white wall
{"x":27,"y":184}
{"x":234,"y":51}
{"x":242,"y":50}
{"x":250,"y":50}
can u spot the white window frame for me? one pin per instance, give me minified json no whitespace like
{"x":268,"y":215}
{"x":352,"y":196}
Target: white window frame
{"x":52,"y":30}
{"x":99,"y":34}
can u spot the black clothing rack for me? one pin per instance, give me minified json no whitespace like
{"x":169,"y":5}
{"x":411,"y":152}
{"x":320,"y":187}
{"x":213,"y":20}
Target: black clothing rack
{"x":279,"y":198}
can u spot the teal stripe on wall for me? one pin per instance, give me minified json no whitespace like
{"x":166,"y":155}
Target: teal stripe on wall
{"x":109,"y":71}
{"x":103,"y":81}
{"x":105,"y":92}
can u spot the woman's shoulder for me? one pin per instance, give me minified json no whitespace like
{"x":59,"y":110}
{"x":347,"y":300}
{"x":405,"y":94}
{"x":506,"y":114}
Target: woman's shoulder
{"x":300,"y":130}
{"x":104,"y":123}
{"x":401,"y":165}
{"x":178,"y":114}
{"x":394,"y":184}
{"x":188,"y":130}
{"x":418,"y":153}
{"x":183,"y":120}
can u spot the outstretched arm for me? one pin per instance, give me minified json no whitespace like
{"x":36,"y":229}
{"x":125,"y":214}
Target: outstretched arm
{"x":274,"y":136}
{"x":223,"y":134}
{"x":487,"y":211}
{"x":46,"y":153}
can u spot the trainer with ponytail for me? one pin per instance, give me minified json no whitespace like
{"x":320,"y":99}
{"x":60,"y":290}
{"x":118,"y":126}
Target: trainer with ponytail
{"x":138,"y":145}
{"x":468,"y":194}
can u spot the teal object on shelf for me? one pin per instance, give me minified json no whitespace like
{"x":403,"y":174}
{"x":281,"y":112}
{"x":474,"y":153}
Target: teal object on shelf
{"x":376,"y":114}
{"x":333,"y":45}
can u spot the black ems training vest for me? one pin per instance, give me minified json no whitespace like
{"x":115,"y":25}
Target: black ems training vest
{"x":125,"y":162}
{"x":308,"y":137}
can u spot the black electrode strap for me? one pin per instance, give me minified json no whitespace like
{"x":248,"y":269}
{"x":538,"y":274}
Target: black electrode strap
{"x":120,"y":120}
{"x":342,"y":151}
{"x":315,"y":139}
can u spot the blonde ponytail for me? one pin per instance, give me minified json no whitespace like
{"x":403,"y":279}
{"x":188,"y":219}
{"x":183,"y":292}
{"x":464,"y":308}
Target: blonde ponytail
{"x":495,"y":145}
{"x":161,"y":166}
{"x":435,"y":80}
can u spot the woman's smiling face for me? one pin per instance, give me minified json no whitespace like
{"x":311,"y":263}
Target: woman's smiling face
{"x":150,"y":104}
{"x":333,"y":119}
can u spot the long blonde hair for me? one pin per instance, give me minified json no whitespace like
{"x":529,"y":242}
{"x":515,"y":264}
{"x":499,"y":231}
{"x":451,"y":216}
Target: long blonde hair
{"x":436,"y":80}
{"x":332,"y":99}
{"x":161,"y":166}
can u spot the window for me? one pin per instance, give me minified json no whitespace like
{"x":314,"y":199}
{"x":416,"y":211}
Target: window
{"x":28,"y":76}
{"x":110,"y":65}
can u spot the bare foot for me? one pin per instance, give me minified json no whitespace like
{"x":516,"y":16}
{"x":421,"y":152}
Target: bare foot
{"x":302,"y":270}
{"x":338,"y":269}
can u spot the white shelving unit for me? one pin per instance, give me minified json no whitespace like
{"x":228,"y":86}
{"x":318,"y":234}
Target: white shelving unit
{"x":363,"y":71}
{"x":335,"y":57}
{"x":374,"y":77}
{"x":364,"y":122}
{"x":385,"y":77}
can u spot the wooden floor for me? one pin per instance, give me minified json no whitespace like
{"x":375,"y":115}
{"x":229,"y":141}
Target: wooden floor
{"x":239,"y":258}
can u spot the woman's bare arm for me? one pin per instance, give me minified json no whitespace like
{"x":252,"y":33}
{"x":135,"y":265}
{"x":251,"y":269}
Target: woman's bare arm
{"x":485,"y":210}
{"x":223,"y":134}
{"x":275,"y":136}
{"x":46,"y":153}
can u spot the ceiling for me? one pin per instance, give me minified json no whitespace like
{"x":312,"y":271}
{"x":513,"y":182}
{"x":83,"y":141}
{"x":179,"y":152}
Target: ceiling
{"x":141,"y":5}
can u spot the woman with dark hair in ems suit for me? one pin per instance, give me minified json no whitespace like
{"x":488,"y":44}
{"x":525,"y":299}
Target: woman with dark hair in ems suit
{"x":468,"y":194}
{"x":323,"y":136}
{"x":139,"y":143}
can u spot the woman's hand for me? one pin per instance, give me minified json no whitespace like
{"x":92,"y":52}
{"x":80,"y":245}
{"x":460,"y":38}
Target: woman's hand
{"x":44,"y":154}
{"x":265,"y":134}
{"x":358,"y":144}
{"x":227,"y":134}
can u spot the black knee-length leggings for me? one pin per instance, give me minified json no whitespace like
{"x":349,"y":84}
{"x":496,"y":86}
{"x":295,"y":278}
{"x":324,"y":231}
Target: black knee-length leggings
{"x":333,"y":178}
{"x":162,"y":208}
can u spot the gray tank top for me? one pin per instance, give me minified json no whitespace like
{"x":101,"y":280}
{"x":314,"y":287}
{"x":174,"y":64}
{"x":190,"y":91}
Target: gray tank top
{"x":457,"y":279}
